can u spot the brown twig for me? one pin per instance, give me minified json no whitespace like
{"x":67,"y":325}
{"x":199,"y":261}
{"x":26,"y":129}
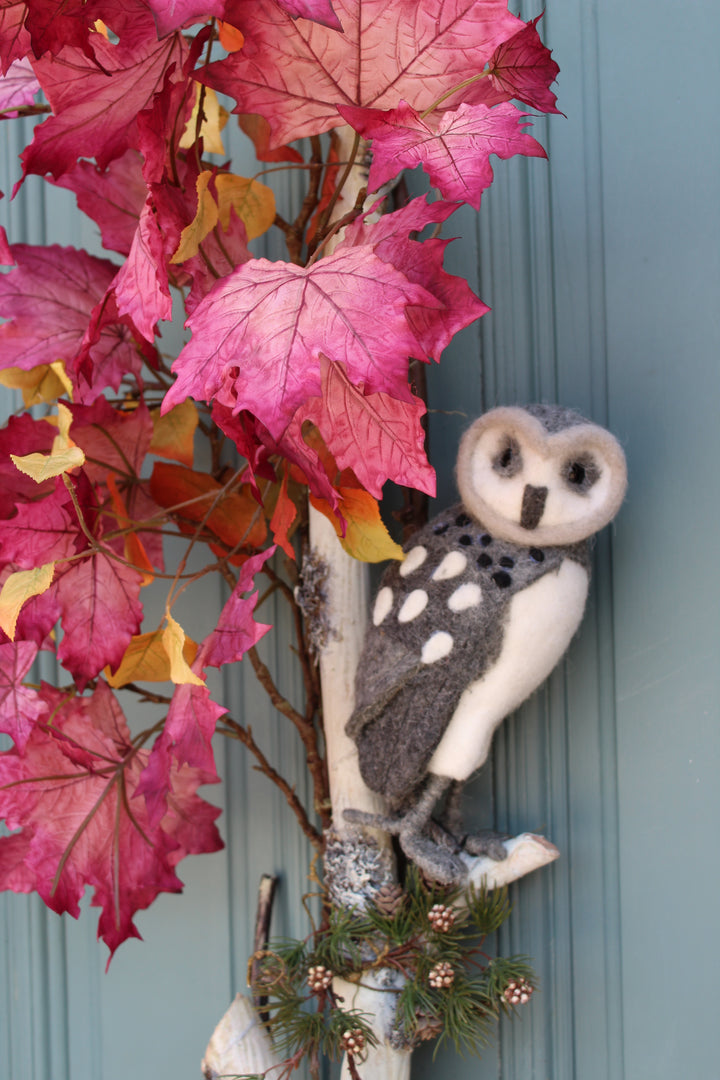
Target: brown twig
{"x":234,"y":730}
{"x":306,"y":731}
{"x":294,"y":238}
{"x":266,"y":895}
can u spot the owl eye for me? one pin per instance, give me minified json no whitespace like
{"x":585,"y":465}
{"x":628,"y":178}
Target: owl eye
{"x":580,"y":474}
{"x":508,"y":460}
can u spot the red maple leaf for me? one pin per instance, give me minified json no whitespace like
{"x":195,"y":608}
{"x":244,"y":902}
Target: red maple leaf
{"x":172,"y":14}
{"x":453,"y":147}
{"x":20,"y":706}
{"x":258,"y":333}
{"x":295,"y":74}
{"x":113,"y":440}
{"x":14,"y":38}
{"x":40,"y":531}
{"x":22,"y":435}
{"x":521,"y":67}
{"x":49,"y":300}
{"x":100,"y":612}
{"x":142,"y":289}
{"x":72,"y":795}
{"x":95,"y":109}
{"x":113,"y":198}
{"x":186,"y":739}
{"x":375,"y":435}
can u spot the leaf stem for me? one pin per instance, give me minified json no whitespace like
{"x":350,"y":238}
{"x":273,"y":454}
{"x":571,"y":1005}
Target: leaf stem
{"x":454,"y":90}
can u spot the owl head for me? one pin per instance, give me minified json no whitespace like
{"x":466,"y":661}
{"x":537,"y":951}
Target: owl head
{"x":540,"y":475}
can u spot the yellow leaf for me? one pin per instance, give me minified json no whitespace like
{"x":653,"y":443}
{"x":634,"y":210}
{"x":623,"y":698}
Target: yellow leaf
{"x":253,"y":202}
{"x":41,"y":384}
{"x":42,"y":466}
{"x":216,"y":117}
{"x":173,"y":639}
{"x":19,"y":587}
{"x":174,"y":433}
{"x":204,"y":221}
{"x":63,"y":457}
{"x":146,"y":660}
{"x":366,"y":537}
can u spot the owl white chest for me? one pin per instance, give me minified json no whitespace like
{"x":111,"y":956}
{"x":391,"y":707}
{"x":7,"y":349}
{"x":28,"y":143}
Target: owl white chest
{"x":541,"y":622}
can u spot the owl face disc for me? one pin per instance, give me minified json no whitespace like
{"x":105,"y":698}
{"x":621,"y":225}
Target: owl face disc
{"x":531,"y":485}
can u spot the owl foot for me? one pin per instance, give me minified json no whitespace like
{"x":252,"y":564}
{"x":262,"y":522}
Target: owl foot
{"x":488,"y":843}
{"x":438,"y":855}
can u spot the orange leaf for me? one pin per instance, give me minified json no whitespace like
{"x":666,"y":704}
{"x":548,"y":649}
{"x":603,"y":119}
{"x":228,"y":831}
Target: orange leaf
{"x":235,"y":518}
{"x":135,"y":552}
{"x":284,"y":514}
{"x":231,"y":39}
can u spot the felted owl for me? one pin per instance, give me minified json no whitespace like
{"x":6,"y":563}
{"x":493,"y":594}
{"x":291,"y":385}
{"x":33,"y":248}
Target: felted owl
{"x":476,"y":616}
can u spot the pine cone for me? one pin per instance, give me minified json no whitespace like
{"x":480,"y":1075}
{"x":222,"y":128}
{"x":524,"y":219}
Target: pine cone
{"x":388,"y":899}
{"x":441,"y":918}
{"x":441,"y":975}
{"x":518,"y":992}
{"x":354,"y":1041}
{"x":428,"y":1026}
{"x":319,"y":978}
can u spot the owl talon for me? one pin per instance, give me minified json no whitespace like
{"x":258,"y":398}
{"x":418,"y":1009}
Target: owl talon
{"x":487,"y":843}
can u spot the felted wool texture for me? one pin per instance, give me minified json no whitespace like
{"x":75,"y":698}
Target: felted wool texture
{"x":404,"y":705}
{"x":549,"y":439}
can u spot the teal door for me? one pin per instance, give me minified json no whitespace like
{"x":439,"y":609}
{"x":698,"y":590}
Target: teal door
{"x":602,"y":269}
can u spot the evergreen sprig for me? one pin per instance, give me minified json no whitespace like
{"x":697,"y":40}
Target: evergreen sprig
{"x":460,"y":1009}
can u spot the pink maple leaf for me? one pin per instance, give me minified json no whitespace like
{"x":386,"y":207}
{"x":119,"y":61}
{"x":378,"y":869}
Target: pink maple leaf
{"x":375,"y":435}
{"x":18,"y":87}
{"x":95,"y":108}
{"x":49,"y":300}
{"x":186,"y":739}
{"x":20,"y":706}
{"x":295,"y":74}
{"x":521,"y":67}
{"x":422,"y":263}
{"x":14,"y":38}
{"x":453,"y":147}
{"x":258,"y":333}
{"x":100,"y":612}
{"x":141,"y":287}
{"x":40,"y":532}
{"x":113,"y":198}
{"x":71,"y":794}
{"x":319,"y":11}
{"x":172,"y":14}
{"x":236,"y":630}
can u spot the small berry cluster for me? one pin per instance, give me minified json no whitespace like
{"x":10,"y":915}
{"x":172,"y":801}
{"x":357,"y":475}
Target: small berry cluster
{"x":441,"y":976}
{"x":354,"y":1042}
{"x":319,"y":978}
{"x":518,"y":992}
{"x":441,"y":918}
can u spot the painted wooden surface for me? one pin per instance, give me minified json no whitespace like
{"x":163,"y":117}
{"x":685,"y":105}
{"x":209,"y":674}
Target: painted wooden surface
{"x":602,"y":271}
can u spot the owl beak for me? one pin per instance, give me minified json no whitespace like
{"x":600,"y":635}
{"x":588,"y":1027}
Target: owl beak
{"x":533,"y":504}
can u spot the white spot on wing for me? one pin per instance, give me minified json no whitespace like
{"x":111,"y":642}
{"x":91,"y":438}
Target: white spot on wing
{"x":383,"y":603}
{"x":465,"y":596}
{"x":453,"y":564}
{"x":414,"y":605}
{"x":413,"y":560}
{"x":437,"y":646}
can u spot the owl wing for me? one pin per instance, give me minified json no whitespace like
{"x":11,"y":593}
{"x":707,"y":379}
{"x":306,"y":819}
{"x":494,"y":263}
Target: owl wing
{"x":432,"y":632}
{"x":438,"y":625}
